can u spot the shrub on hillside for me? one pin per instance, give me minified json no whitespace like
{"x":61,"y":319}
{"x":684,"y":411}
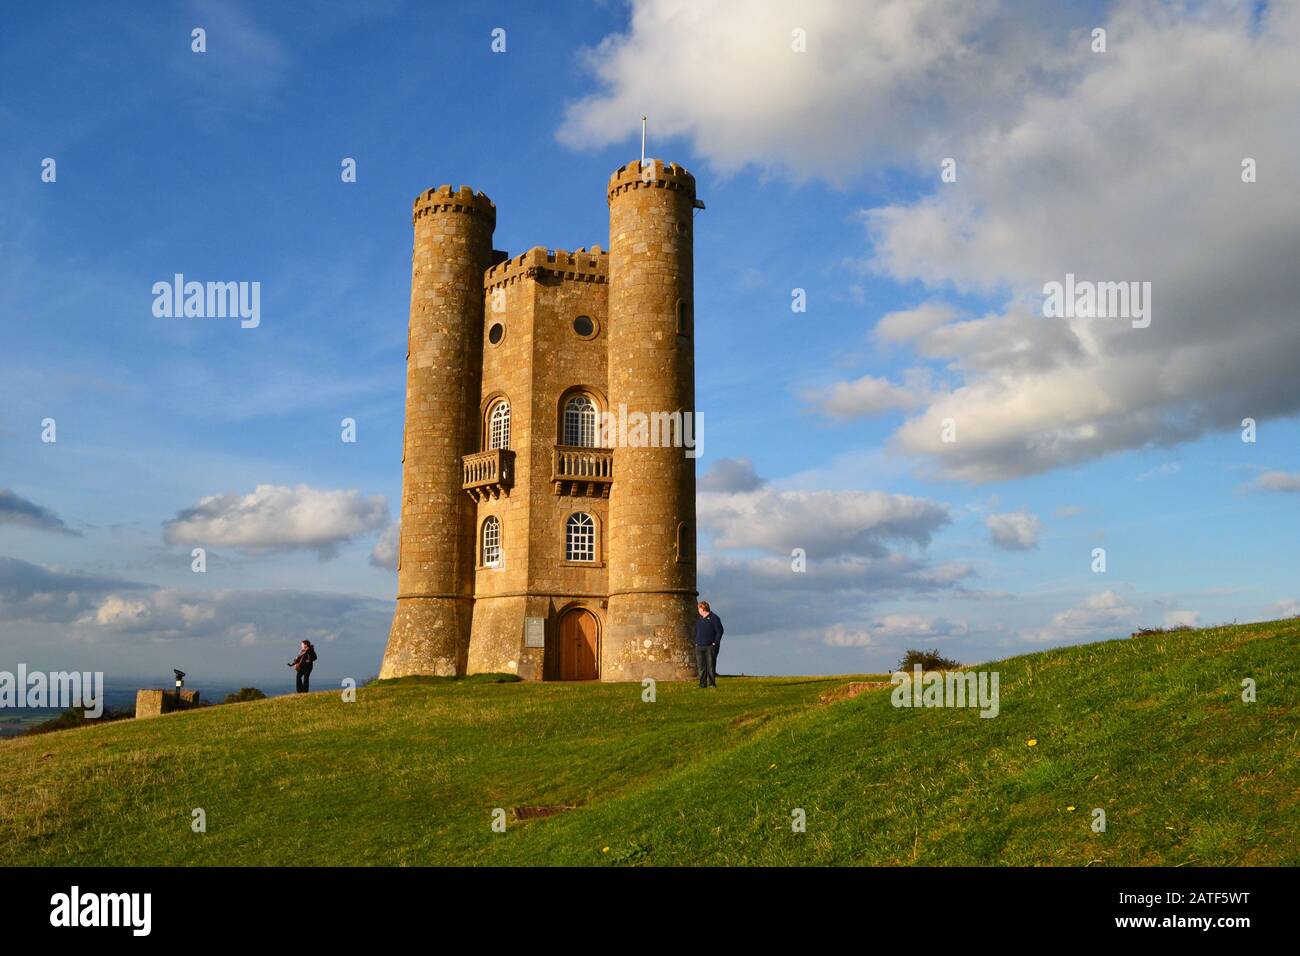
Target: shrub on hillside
{"x":76,"y":717}
{"x":244,"y":693}
{"x":1145,"y":631}
{"x":929,"y":661}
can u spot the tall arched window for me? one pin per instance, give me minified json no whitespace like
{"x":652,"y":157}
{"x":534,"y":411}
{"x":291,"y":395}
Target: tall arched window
{"x":580,"y":538}
{"x":491,"y":542}
{"x":499,"y":426}
{"x":580,"y":422}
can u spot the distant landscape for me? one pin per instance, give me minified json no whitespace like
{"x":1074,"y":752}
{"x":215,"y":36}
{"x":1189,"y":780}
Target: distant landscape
{"x":120,"y":694}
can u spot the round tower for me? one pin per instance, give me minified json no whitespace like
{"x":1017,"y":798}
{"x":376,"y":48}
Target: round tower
{"x":453,"y":248}
{"x":650,"y":618}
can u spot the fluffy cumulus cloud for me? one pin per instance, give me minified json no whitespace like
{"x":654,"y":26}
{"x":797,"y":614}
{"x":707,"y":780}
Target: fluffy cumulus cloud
{"x":34,"y":592}
{"x":1141,"y":155}
{"x":1014,"y":531}
{"x":909,"y":325}
{"x":47,"y":612}
{"x":1102,"y":615}
{"x":1112,"y":167}
{"x":231,"y":616}
{"x":868,"y":395}
{"x":874,"y":81}
{"x":791,"y":566}
{"x":90,"y":607}
{"x":17,"y":510}
{"x":891,"y":629}
{"x":823,"y":524}
{"x":277,"y":518}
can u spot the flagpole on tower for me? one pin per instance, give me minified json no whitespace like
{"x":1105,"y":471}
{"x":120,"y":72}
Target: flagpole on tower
{"x":643,"y":141}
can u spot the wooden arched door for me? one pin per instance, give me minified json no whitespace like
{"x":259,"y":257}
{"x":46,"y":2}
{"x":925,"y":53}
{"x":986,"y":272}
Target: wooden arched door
{"x":579,"y":645}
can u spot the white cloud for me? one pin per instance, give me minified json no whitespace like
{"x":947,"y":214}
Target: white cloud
{"x":837,"y":635}
{"x":277,"y":518}
{"x":893,"y":629}
{"x":863,"y":397}
{"x":384,"y":553}
{"x":822,"y":523}
{"x":1175,"y":618}
{"x":1277,"y":481}
{"x":1014,"y":531}
{"x":878,"y":80}
{"x":911,"y":324}
{"x":1289,"y":607}
{"x":1136,"y":157}
{"x":1105,"y":614}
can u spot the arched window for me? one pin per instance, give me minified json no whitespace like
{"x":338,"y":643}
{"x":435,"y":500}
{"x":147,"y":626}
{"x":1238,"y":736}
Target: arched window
{"x":580,"y":538}
{"x":580,"y":422}
{"x":499,"y":426}
{"x":491,"y":542}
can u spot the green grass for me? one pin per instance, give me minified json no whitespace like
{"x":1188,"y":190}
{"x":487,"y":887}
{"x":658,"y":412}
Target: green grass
{"x":1152,"y":730}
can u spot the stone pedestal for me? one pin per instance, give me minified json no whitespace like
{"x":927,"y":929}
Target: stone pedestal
{"x":152,"y":703}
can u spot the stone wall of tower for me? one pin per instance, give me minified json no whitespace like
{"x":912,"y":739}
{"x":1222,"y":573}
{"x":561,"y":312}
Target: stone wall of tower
{"x":567,"y":362}
{"x":652,"y":588}
{"x":536,"y":297}
{"x":497,"y":637}
{"x":452,"y":250}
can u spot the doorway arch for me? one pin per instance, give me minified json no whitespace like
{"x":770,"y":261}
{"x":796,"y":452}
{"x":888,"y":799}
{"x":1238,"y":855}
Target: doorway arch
{"x":579,"y":645}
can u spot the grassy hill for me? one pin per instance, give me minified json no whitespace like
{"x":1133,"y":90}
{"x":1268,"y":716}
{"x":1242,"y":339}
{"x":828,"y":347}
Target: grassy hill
{"x":1153,"y":730}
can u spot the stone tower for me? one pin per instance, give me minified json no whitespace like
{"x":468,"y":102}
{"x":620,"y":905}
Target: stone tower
{"x":545,"y":532}
{"x":444,"y":358}
{"x":652,"y":370}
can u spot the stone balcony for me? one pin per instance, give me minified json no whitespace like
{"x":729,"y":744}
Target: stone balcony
{"x":489,"y":474}
{"x":582,"y":472}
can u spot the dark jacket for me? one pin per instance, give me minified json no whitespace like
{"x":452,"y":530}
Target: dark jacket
{"x":304,"y":660}
{"x":708,"y":629}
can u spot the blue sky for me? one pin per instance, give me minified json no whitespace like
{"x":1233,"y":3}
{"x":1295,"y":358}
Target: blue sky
{"x":820,"y":170}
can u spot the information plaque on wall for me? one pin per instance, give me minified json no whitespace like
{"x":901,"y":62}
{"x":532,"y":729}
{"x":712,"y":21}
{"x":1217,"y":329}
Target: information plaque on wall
{"x":534,"y":632}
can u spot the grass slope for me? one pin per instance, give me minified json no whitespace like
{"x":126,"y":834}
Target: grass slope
{"x":1152,"y":730}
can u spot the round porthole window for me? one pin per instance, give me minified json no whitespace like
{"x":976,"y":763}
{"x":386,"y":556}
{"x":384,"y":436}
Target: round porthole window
{"x":496,"y":333}
{"x":585,"y":326}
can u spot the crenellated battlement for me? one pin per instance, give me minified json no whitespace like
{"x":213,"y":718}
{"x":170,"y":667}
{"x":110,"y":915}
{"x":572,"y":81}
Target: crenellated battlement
{"x":581,"y":266}
{"x":655,"y":175}
{"x":463,"y":200}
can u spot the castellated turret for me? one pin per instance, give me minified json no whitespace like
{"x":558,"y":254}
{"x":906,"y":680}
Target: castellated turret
{"x":444,"y":361}
{"x":543,"y":532}
{"x":652,"y":370}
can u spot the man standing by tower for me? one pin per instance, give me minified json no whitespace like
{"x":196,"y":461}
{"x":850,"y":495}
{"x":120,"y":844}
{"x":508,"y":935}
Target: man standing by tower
{"x":708,"y":637}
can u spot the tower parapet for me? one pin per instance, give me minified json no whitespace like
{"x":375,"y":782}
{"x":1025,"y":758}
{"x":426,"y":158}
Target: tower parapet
{"x":464,"y":201}
{"x":655,"y":174}
{"x":579,"y":266}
